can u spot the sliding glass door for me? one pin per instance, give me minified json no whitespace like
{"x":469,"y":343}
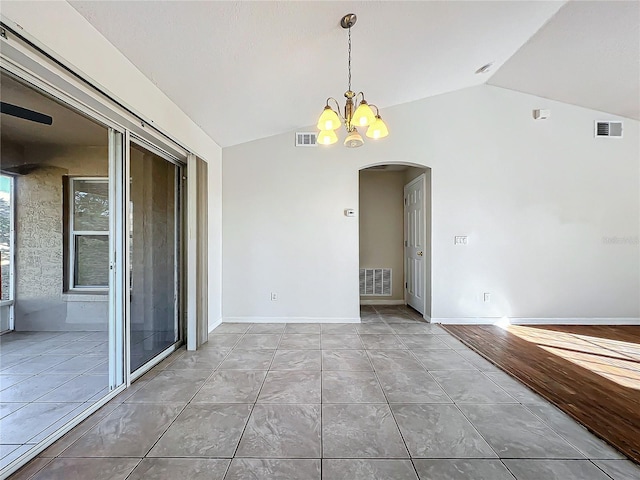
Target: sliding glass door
{"x":61,"y":337}
{"x":155,"y":254}
{"x":91,"y":213}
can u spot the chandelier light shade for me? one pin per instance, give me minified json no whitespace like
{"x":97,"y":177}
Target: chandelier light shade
{"x":329,"y":120}
{"x":327,"y":137}
{"x":354,"y":139}
{"x":361,"y":116}
{"x":378,"y":129}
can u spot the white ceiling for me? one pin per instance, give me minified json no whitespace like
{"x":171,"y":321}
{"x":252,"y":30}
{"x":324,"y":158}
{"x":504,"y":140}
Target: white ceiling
{"x":587,"y":55}
{"x":246,"y":70}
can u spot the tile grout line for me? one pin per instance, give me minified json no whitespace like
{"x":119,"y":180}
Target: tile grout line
{"x":256,"y":399}
{"x":321,"y":406}
{"x":214,"y":370}
{"x":600,"y":468}
{"x":404,"y":442}
{"x":376,"y":374}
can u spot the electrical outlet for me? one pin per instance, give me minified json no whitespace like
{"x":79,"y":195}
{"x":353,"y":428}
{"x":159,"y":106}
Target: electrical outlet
{"x":487,"y":297}
{"x":274,"y":297}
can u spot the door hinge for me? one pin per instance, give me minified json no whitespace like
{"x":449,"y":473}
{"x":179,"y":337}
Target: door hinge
{"x":406,"y":285}
{"x":406,"y":244}
{"x":3,"y":33}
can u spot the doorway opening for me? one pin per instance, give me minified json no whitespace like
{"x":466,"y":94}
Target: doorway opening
{"x":395,"y":238}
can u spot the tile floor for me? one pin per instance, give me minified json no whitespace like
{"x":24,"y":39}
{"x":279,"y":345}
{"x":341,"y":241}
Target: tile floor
{"x":46,"y":378}
{"x":391,"y":398}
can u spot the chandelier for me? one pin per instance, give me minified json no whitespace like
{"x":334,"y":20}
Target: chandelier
{"x":362,"y":116}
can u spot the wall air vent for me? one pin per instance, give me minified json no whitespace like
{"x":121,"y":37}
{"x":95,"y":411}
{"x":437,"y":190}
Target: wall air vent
{"x":306,"y":139}
{"x":375,"y":281}
{"x":608,"y":129}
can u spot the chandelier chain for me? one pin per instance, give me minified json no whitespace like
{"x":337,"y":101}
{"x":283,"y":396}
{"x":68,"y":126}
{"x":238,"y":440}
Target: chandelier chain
{"x":357,"y":112}
{"x":349,"y":63}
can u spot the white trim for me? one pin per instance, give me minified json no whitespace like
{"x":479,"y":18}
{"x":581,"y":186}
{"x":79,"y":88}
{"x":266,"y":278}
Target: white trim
{"x":117,"y":266}
{"x":85,"y":297}
{"x":539,"y":321}
{"x":141,"y":370}
{"x":192,"y":252}
{"x":215,"y":325}
{"x":74,"y":234}
{"x":382,"y":302}
{"x":124,"y":259}
{"x":290,"y":320}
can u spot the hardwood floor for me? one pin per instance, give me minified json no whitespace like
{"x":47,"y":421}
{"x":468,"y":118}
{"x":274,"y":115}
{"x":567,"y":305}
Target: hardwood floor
{"x":591,"y":373}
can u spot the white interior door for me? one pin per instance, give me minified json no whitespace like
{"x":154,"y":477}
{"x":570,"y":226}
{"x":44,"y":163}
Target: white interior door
{"x":414,"y":243}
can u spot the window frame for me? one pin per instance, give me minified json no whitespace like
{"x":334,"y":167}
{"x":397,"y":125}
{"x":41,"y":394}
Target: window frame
{"x":73,"y":234}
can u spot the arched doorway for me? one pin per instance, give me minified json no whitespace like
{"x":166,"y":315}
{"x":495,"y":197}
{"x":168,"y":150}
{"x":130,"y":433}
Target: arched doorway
{"x":395,"y":236}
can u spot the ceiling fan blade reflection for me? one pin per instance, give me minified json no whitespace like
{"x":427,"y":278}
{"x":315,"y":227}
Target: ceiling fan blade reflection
{"x":25,"y":113}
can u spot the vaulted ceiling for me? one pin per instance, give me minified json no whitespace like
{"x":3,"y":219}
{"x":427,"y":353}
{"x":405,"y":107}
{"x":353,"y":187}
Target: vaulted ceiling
{"x":247,"y":70}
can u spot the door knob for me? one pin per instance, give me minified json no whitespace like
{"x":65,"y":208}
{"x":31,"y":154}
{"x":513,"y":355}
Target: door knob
{"x":419,"y":254}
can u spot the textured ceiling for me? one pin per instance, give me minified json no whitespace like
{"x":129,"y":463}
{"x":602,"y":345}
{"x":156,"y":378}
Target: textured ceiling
{"x":247,"y":70}
{"x":587,"y":55}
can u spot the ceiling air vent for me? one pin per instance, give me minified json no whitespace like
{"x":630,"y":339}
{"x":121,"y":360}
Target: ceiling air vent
{"x":608,"y":129}
{"x":306,"y":139}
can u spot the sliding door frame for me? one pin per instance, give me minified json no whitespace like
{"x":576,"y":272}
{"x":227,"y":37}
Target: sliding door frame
{"x":27,"y":60}
{"x":179,"y":266}
{"x":117,"y":377}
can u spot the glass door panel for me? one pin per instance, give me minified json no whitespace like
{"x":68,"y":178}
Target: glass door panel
{"x":154,"y":250}
{"x":61,"y":354}
{"x":6,"y":252}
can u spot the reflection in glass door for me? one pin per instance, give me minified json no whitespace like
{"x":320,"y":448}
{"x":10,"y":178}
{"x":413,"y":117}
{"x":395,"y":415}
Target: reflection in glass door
{"x":6,"y":253}
{"x":154,"y":250}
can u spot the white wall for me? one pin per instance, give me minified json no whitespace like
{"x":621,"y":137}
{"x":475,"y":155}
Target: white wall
{"x":62,"y":31}
{"x":284,"y":231}
{"x":538,"y":200}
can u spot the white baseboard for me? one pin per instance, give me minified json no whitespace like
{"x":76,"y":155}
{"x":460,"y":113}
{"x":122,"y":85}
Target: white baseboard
{"x":289,"y":320}
{"x":215,"y":324}
{"x":539,"y":321}
{"x":465,"y":320}
{"x":382,"y":302}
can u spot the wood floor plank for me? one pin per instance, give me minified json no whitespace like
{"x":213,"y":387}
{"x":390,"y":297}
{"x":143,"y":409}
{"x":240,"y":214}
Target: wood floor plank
{"x":591,"y":373}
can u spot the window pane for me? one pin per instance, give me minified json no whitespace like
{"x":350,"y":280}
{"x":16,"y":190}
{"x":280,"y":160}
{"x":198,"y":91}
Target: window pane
{"x":91,"y":205}
{"x":5,"y":235}
{"x":92,"y":261}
